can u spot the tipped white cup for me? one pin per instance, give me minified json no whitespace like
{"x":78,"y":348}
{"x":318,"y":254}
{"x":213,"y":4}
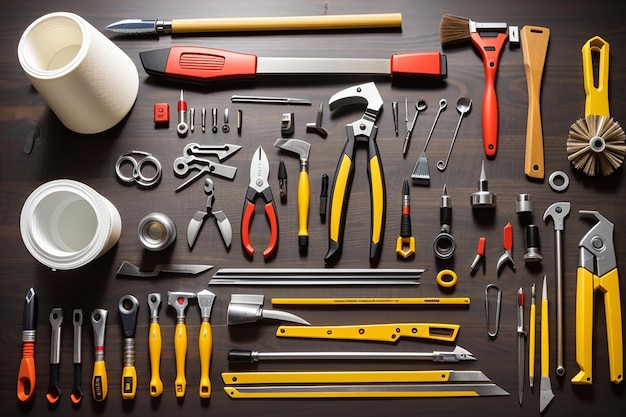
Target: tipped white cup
{"x":88,"y":82}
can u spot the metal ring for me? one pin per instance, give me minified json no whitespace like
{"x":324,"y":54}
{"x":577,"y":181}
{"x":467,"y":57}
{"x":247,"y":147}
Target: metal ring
{"x":143,"y":180}
{"x":447,"y":273}
{"x":558,"y":175}
{"x":118,"y":167}
{"x":444,"y":245}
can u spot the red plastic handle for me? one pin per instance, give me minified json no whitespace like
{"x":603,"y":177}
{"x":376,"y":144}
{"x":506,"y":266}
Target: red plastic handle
{"x":248,"y":212}
{"x":507,"y":237}
{"x":270,"y":212}
{"x":481,"y":246}
{"x":490,"y":49}
{"x":200,"y":63}
{"x":428,"y":64}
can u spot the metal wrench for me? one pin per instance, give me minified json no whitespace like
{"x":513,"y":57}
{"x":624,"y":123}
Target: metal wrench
{"x":182,"y":165}
{"x":54,"y":391}
{"x":128,"y":307}
{"x":155,"y":344}
{"x":222,"y":152}
{"x":77,"y":319}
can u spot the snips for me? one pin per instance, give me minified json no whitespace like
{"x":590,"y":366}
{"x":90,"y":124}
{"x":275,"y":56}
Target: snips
{"x":259,"y":186}
{"x":364,"y":130}
{"x":223,"y":224}
{"x":597,"y":270}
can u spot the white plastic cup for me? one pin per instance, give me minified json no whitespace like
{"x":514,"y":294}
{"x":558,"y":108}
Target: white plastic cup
{"x":66,"y":224}
{"x":88,"y":82}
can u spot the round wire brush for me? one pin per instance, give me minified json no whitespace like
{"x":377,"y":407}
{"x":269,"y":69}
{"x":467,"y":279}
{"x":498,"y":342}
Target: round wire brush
{"x":596,"y":144}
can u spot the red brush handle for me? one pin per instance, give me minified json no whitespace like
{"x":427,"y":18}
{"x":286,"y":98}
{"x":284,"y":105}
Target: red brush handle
{"x":490,"y":49}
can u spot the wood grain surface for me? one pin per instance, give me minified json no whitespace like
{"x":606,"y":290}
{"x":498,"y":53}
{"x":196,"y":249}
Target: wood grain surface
{"x":60,"y":153}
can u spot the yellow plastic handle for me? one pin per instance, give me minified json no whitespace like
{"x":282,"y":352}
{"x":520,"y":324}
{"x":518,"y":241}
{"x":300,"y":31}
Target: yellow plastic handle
{"x":378,"y":199}
{"x":205,"y":347}
{"x":597,"y":100}
{"x":531,"y":342}
{"x":154,"y":346}
{"x":99,"y":381}
{"x":584,"y":325}
{"x":180,"y":351}
{"x":338,"y":377}
{"x":339,"y":197}
{"x":612,"y":307}
{"x":353,"y":21}
{"x":545,"y":340}
{"x":304,"y":198}
{"x":129,"y":382}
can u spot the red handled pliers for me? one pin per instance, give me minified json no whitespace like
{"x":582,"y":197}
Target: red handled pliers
{"x":259,"y":186}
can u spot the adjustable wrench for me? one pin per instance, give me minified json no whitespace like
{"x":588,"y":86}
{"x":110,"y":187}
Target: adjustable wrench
{"x":558,"y":212}
{"x":54,"y":391}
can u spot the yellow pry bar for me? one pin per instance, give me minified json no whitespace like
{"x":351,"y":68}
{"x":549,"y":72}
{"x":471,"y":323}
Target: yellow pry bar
{"x":373,"y":301}
{"x":374,"y":332}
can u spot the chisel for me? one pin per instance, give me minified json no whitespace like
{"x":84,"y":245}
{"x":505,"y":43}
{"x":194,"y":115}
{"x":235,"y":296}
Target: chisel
{"x":256,"y":24}
{"x":205,"y":341}
{"x":202,"y":64}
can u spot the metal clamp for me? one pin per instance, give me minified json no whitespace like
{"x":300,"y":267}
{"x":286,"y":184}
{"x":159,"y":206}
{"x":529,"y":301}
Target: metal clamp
{"x":137,"y":165}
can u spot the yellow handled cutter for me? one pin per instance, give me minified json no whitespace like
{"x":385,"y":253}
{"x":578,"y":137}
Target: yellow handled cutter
{"x":597,"y":270}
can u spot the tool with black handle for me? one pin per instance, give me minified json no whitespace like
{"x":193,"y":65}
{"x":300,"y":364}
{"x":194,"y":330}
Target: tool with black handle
{"x":54,"y":390}
{"x":363,"y":129}
{"x":76,"y":396}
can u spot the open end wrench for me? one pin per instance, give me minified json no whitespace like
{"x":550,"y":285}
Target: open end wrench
{"x":155,"y":344}
{"x":128,"y":307}
{"x":54,"y":391}
{"x":77,"y":392}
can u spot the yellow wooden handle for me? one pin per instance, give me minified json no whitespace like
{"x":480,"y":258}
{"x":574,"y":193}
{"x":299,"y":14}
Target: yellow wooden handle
{"x":154,"y":346}
{"x":534,"y":47}
{"x":322,"y":22}
{"x":205,"y":347}
{"x":612,"y":307}
{"x":129,"y":382}
{"x":180,"y":351}
{"x":304,"y":198}
{"x":531,"y":342}
{"x":584,"y":325}
{"x":374,"y":332}
{"x":597,"y":100}
{"x":99,"y":381}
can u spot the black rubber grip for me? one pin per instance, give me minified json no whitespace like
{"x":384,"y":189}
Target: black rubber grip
{"x":238,"y":355}
{"x":532,"y":236}
{"x":445,"y":215}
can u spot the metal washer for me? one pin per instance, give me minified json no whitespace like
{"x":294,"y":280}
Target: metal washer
{"x":558,"y":175}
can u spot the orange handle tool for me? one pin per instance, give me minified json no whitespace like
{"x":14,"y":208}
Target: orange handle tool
{"x":26,"y":376}
{"x":490,"y":49}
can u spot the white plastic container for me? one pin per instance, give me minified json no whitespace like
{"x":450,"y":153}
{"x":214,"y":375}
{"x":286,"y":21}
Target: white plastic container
{"x":66,"y":224}
{"x":87,"y":80}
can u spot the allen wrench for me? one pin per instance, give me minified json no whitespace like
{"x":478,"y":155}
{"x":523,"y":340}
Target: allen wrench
{"x":493,"y":334}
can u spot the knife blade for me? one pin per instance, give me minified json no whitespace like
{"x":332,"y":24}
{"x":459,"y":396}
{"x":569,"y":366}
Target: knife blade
{"x":202,"y":64}
{"x":128,"y":269}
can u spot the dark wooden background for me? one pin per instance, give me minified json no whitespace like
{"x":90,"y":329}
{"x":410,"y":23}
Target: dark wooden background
{"x":59,"y":153}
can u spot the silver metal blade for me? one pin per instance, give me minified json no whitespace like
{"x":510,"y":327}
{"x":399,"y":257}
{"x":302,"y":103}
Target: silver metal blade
{"x":194,"y":226}
{"x":134,"y":27}
{"x":437,"y":356}
{"x":129,"y":269}
{"x":277,"y":66}
{"x":205,"y":302}
{"x":283,"y":316}
{"x":520,"y":367}
{"x":546,"y":394}
{"x":226,"y":230}
{"x":374,"y":390}
{"x":318,"y":273}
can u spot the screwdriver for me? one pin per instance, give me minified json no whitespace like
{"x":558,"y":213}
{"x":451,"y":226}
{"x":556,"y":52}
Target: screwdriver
{"x":128,"y":306}
{"x":99,"y":382}
{"x":154,"y":344}
{"x":405,"y":245}
{"x":26,"y":376}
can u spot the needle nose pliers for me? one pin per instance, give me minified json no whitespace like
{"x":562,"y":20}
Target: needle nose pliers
{"x":597,"y":270}
{"x":259,"y":186}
